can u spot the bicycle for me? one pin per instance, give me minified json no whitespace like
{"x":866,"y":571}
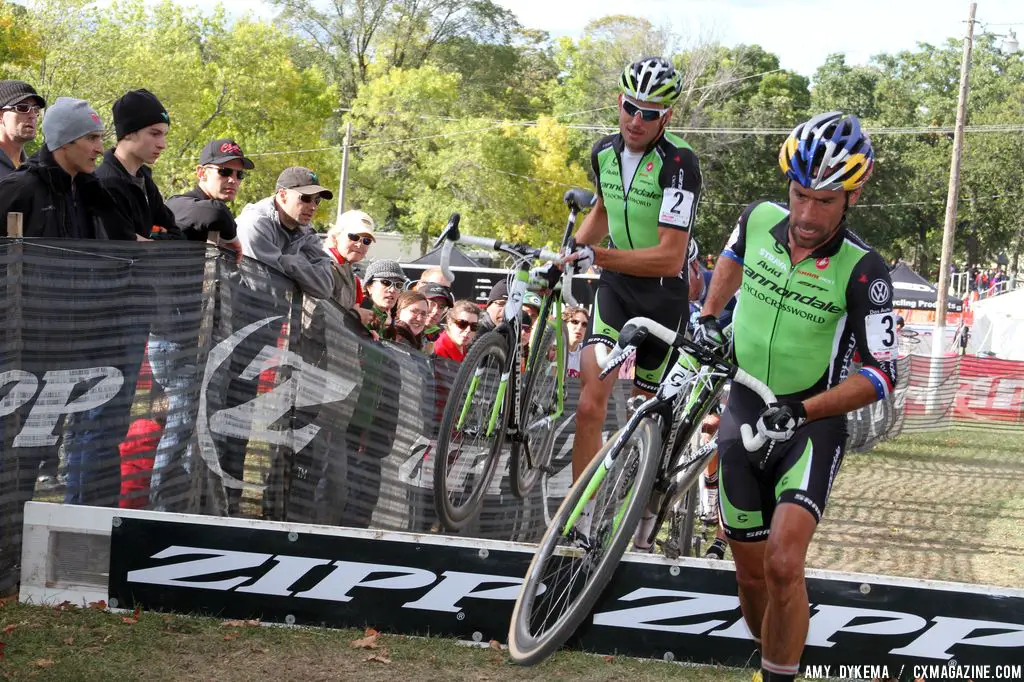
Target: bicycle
{"x":495,"y":396}
{"x":646,"y":465}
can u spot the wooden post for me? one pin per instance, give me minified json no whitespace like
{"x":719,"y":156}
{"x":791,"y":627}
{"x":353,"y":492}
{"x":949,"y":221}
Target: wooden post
{"x":344,"y":168}
{"x":15,"y":222}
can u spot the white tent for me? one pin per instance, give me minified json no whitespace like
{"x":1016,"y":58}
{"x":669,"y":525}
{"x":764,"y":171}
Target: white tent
{"x":999,"y":326}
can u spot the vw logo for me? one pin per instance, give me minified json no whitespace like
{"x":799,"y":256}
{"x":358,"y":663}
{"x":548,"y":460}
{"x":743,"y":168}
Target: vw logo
{"x":878,"y":292}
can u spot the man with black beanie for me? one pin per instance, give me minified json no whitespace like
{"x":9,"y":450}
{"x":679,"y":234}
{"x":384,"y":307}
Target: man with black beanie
{"x":20,"y":110}
{"x":141,"y":123}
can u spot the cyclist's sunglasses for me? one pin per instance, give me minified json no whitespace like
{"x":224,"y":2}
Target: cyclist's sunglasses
{"x":228,"y":172}
{"x":365,"y":241}
{"x":466,"y":324}
{"x":23,"y":108}
{"x":646,"y":114}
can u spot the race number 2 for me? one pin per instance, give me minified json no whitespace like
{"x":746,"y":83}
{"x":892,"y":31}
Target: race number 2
{"x":880,"y":329}
{"x":676,"y":207}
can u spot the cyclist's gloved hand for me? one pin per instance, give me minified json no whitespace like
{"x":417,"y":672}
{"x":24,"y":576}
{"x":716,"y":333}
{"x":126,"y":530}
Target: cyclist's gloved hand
{"x":707,"y":334}
{"x":779,"y":421}
{"x":580,"y":254}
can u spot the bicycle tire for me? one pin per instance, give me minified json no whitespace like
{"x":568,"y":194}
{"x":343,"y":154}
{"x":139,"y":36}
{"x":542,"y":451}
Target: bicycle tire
{"x":538,"y":400}
{"x":529,"y":648}
{"x":452,"y":516}
{"x":689,"y":514}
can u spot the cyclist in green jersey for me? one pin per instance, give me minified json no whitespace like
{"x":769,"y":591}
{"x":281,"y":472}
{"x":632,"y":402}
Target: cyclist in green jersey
{"x":814,"y":302}
{"x":648,"y":185}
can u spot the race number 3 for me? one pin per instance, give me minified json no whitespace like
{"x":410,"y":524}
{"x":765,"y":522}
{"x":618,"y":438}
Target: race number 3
{"x":880,"y":329}
{"x":676,"y":207}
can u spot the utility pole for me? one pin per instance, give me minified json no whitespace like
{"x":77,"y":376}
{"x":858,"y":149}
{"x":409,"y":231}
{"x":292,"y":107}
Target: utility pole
{"x":344,"y":168}
{"x":953,"y":194}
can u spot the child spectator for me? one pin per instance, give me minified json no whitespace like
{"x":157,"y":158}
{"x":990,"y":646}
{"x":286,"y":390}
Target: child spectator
{"x":411,"y":314}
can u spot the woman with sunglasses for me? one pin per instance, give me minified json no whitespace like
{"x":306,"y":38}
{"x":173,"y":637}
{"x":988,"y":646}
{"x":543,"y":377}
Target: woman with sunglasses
{"x":459,"y":330}
{"x":347,"y":242}
{"x":384,"y":282}
{"x":411,"y":314}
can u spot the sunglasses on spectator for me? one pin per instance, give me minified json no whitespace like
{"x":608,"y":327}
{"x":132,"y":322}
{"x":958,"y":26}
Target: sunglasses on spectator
{"x":365,"y":241}
{"x":391,"y":283}
{"x":23,"y":108}
{"x":228,"y":172}
{"x":311,"y":199}
{"x":577,"y":322}
{"x":645,"y":113}
{"x":466,"y":324}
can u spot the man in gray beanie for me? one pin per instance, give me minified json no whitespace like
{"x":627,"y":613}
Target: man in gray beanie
{"x":55,"y":190}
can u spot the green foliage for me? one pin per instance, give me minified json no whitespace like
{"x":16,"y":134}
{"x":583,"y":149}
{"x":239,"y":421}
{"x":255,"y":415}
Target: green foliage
{"x":456,"y":106}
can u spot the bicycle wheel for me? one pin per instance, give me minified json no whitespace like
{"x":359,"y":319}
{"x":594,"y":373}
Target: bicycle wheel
{"x":468,"y":441}
{"x":567,"y":575}
{"x":540,"y":401}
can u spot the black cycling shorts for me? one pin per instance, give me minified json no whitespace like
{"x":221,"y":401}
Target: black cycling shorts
{"x":801,"y":472}
{"x":614,"y":307}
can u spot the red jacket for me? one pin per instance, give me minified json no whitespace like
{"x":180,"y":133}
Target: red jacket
{"x":444,"y":347}
{"x":137,"y":453}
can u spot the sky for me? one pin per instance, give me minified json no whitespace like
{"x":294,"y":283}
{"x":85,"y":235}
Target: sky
{"x":801,"y":32}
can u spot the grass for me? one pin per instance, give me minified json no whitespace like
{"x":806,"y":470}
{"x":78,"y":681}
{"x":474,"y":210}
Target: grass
{"x":69,"y":644}
{"x":944,"y":505}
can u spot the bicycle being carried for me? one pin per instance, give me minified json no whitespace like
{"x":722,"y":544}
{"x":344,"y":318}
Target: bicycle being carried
{"x":648,"y":464}
{"x":496,"y":396}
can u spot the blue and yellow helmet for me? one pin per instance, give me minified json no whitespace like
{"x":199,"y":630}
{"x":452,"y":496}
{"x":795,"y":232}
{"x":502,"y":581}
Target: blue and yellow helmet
{"x":829,"y":152}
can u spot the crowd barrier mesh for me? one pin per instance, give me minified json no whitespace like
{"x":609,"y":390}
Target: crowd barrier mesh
{"x":164,"y":376}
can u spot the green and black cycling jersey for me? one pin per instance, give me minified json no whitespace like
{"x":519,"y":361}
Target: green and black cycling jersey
{"x":663,"y":193}
{"x":799,"y":327}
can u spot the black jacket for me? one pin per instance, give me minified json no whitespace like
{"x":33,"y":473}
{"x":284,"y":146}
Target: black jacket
{"x":197,"y":215}
{"x":55,"y":206}
{"x":138,"y":196}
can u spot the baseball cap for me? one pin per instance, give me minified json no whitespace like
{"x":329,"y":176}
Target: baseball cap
{"x":303,"y":181}
{"x":12,"y":92}
{"x":355,"y":222}
{"x":531,"y":299}
{"x":435,"y":290}
{"x":221,"y":151}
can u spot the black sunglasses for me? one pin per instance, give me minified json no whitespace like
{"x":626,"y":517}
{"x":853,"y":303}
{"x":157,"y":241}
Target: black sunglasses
{"x":228,"y":172}
{"x":23,"y":108}
{"x":311,"y":199}
{"x":466,"y":324}
{"x":366,"y":241}
{"x":646,"y":114}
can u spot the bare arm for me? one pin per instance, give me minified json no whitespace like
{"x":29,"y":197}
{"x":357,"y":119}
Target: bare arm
{"x":725,"y":282}
{"x":852,"y":394}
{"x":664,"y":260}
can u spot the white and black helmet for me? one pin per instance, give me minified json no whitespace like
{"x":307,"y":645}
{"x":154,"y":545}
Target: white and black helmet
{"x":652,"y":79}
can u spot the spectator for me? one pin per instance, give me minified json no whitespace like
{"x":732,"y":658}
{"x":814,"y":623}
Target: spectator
{"x":348,"y":242}
{"x":531,"y":306}
{"x":433,"y":276}
{"x":202,"y":213}
{"x":276,"y":231}
{"x":495,"y":309}
{"x":138,"y":453}
{"x":20,"y":109}
{"x":141,"y":123}
{"x":576,"y":320}
{"x":55,"y":190}
{"x":462,"y":325}
{"x":439,"y":301}
{"x":384,"y":281}
{"x":411,"y":313}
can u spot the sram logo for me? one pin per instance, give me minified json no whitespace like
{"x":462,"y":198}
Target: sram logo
{"x":643,"y":608}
